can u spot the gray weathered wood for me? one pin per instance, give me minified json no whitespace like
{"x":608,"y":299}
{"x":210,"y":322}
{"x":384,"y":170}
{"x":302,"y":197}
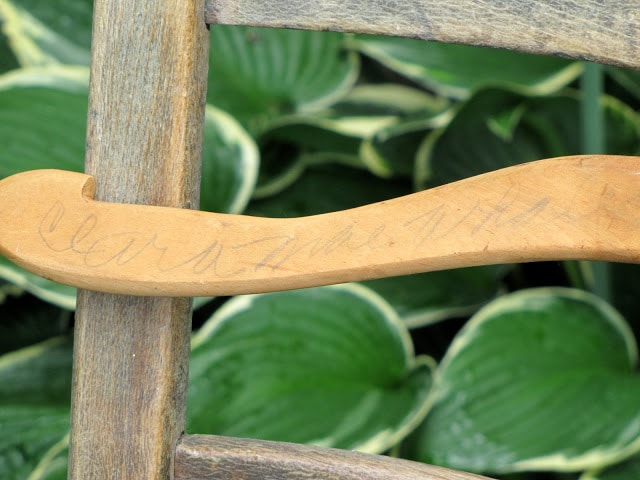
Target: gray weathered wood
{"x":607,"y":32}
{"x":146,"y":109}
{"x":207,"y":457}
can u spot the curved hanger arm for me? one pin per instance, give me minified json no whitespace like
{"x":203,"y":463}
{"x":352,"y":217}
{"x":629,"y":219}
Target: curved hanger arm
{"x":210,"y":457}
{"x":582,"y":207}
{"x":605,"y":32}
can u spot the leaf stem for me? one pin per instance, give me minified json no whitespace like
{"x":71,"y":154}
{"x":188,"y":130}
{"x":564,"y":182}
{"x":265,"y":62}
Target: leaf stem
{"x":593,"y":142}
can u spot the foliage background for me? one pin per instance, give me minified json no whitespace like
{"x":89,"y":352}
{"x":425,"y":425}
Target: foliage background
{"x":517,"y":371}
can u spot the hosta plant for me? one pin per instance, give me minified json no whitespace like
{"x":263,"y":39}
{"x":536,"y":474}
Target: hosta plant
{"x":515,"y":371}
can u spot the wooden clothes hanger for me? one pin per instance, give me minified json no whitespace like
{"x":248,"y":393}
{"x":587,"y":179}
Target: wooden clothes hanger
{"x":144,"y":135}
{"x":581,"y":207}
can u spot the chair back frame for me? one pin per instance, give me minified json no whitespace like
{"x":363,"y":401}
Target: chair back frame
{"x":144,"y":137}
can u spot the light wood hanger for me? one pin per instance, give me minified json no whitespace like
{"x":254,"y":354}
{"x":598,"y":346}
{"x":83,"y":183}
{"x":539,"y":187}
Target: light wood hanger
{"x":581,"y":207}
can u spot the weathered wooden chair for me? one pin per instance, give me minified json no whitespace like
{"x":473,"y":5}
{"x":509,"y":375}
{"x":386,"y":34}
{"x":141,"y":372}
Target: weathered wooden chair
{"x":147,"y":96}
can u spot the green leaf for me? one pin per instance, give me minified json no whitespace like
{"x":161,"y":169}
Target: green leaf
{"x":54,"y":463}
{"x":230,"y":161}
{"x":628,"y":79}
{"x":37,"y":375}
{"x":457,"y":70}
{"x":467,"y":146}
{"x":312,"y":140}
{"x":259,"y":74}
{"x":328,"y":188}
{"x":55,"y":293}
{"x":349,"y":131}
{"x":337,"y":134}
{"x":392,"y":151}
{"x":45,"y":32}
{"x":8,"y":290}
{"x":626,"y":291}
{"x":427,"y":298}
{"x":388,"y":99}
{"x":330,"y":366}
{"x":540,"y":379}
{"x":622,"y":127}
{"x":496,"y":129}
{"x":281,"y":165}
{"x":556,"y":120}
{"x":8,"y":60}
{"x":35,"y":387}
{"x":43,"y":119}
{"x":627,"y":470}
{"x":25,"y":321}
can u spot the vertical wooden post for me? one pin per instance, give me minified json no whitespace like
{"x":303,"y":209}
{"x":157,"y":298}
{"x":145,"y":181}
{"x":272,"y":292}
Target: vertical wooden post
{"x":146,"y":113}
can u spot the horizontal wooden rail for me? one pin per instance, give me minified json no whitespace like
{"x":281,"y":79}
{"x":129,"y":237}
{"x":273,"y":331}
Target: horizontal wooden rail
{"x":606,"y":32}
{"x":207,"y":457}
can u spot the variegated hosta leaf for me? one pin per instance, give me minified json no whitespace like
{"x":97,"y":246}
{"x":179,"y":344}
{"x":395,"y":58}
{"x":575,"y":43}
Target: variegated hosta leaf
{"x":331,"y":366}
{"x":541,"y":379}
{"x":43,"y":32}
{"x":260,"y":74}
{"x":458,"y":70}
{"x":35,"y":396}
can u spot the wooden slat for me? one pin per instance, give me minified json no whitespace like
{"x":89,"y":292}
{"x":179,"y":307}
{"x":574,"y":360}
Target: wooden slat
{"x":607,"y":32}
{"x":207,"y":457}
{"x":146,"y":109}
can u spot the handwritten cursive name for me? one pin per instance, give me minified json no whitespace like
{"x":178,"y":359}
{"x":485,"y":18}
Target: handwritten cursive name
{"x":66,"y":233}
{"x":225,"y":250}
